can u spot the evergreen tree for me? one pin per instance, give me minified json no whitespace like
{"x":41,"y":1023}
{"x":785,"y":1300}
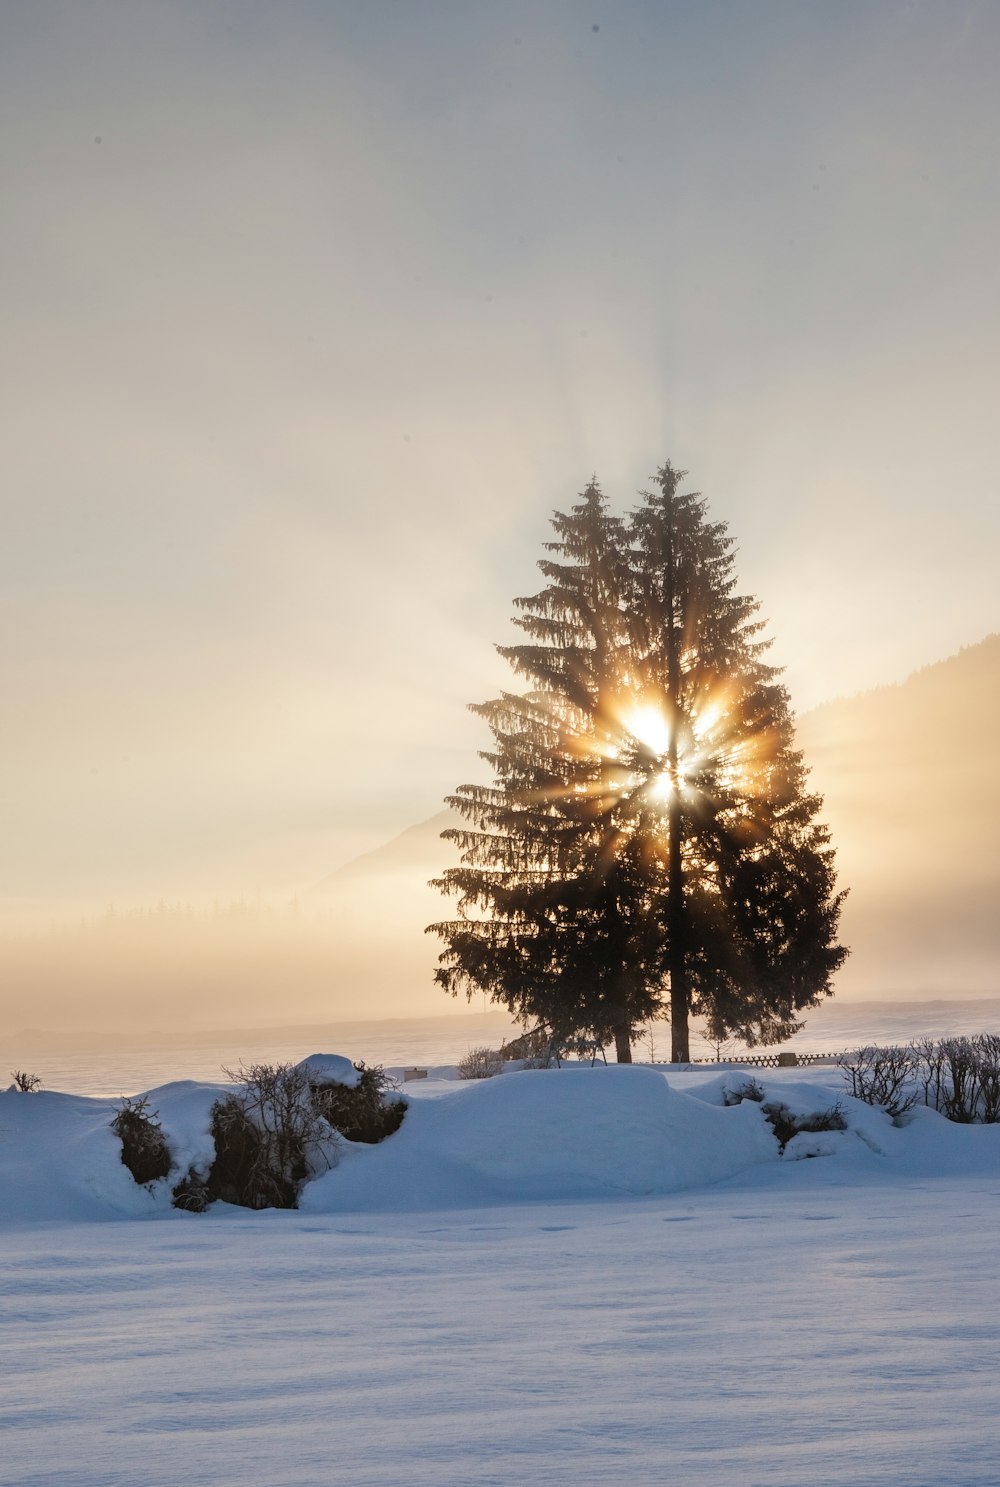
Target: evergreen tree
{"x":648,"y":839}
{"x":750,"y":907}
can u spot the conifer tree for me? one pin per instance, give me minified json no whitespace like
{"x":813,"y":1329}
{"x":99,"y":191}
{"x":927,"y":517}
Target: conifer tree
{"x":648,"y":840}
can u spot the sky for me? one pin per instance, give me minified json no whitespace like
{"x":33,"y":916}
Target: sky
{"x":315,"y":312}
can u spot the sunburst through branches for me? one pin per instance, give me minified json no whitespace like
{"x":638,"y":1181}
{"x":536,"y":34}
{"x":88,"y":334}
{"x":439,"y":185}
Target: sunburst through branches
{"x":647,"y":844}
{"x":641,"y":762}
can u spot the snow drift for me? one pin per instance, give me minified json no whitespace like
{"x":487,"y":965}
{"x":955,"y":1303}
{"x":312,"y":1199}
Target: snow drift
{"x":574,"y":1133}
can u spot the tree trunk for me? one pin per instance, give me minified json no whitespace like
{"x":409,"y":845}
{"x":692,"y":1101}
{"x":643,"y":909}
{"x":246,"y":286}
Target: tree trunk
{"x":680,"y":1050}
{"x":625,"y":991}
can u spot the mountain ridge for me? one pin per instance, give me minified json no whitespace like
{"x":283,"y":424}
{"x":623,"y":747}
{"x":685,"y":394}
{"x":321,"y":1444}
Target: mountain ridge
{"x":912,"y":798}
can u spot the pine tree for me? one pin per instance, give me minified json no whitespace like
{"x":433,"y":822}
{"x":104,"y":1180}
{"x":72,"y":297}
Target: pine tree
{"x":648,"y":839}
{"x":750,"y":907}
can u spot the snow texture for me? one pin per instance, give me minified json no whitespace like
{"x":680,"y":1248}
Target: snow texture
{"x":558,"y":1277}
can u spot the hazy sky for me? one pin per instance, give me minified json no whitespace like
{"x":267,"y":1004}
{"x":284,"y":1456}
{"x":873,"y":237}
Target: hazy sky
{"x":314,"y":312}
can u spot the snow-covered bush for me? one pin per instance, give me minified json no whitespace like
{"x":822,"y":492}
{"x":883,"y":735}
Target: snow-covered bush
{"x":480,"y":1063}
{"x":807,"y":1144}
{"x":282,"y":1125}
{"x":192,"y":1194}
{"x":786,"y":1125}
{"x":144,"y":1147}
{"x":26,"y":1084}
{"x":359,"y":1110}
{"x":746,"y":1089}
{"x":269,"y":1138}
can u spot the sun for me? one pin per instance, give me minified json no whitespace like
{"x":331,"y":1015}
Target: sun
{"x":648,"y":724}
{"x":663,"y":786}
{"x":674,"y":754}
{"x":646,"y":759}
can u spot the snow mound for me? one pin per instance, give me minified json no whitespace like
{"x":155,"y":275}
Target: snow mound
{"x":574,"y":1133}
{"x":330,"y":1068}
{"x":544,"y":1134}
{"x":59,"y":1159}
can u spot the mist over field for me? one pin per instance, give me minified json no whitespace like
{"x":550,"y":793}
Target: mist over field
{"x":910,"y":787}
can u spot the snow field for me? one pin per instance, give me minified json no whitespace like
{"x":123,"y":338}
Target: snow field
{"x":769,"y":1334}
{"x":694,"y":1310}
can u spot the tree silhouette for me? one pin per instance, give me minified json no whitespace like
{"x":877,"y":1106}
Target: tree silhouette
{"x":648,"y":840}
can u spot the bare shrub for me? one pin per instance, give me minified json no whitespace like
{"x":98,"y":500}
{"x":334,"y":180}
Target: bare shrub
{"x":361,"y":1112}
{"x":959,"y":1077}
{"x":144,"y":1147}
{"x":581,"y":1045}
{"x":540,"y":1060}
{"x":534,"y":1049}
{"x":645,"y":1034}
{"x":719,"y":1041}
{"x":27,"y":1084}
{"x":960,"y":1097}
{"x":929,"y":1064}
{"x":988,"y":1050}
{"x":886,"y":1077}
{"x":268,"y":1138}
{"x":481,"y":1063}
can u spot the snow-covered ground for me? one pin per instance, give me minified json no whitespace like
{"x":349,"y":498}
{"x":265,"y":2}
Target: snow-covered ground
{"x":577,"y":1276}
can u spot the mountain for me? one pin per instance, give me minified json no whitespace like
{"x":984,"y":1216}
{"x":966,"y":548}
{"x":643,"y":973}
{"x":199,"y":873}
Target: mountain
{"x":416,"y":850}
{"x":912,"y":798}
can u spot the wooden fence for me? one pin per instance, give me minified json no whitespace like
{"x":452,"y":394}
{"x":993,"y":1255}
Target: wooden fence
{"x":775,"y":1060}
